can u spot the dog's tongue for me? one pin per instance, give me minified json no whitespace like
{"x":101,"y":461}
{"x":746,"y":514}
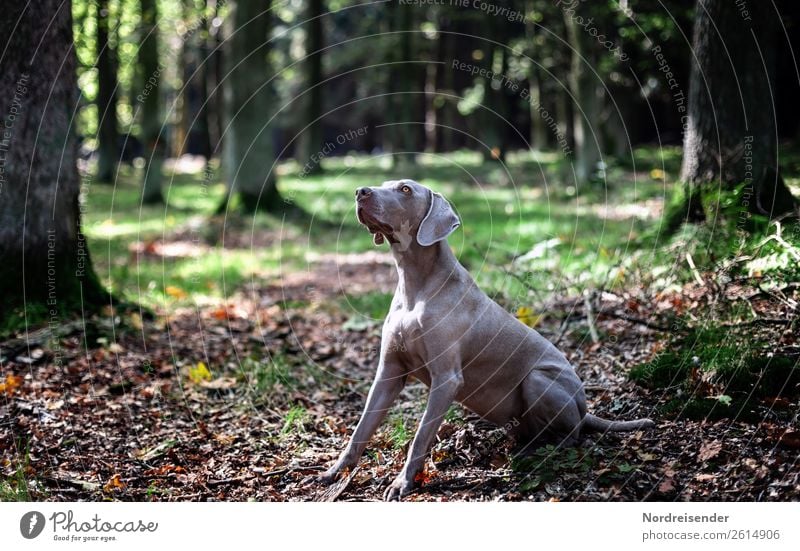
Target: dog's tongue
{"x":377,"y":238}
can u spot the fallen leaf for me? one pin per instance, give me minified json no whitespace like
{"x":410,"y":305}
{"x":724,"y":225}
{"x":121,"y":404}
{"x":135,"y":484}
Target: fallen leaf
{"x":527,"y":316}
{"x":423,"y":477}
{"x":199,"y":373}
{"x":175,"y":292}
{"x":710,"y":450}
{"x":647,"y":456}
{"x":113,"y":482}
{"x":667,"y":485}
{"x":11,"y":383}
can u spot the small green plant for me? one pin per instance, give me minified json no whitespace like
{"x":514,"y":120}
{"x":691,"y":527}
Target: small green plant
{"x":16,"y":487}
{"x":548,"y":464}
{"x":265,"y":375}
{"x":454,"y":414}
{"x":399,"y":434}
{"x":295,"y":420}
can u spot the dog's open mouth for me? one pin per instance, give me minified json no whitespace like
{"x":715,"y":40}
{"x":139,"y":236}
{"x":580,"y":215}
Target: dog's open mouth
{"x":375,"y":226}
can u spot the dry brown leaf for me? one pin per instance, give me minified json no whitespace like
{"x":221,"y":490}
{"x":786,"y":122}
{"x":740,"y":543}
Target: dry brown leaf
{"x":114,"y":482}
{"x":710,"y":450}
{"x":11,"y":383}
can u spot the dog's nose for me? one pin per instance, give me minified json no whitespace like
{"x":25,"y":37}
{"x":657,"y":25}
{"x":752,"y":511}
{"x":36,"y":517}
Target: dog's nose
{"x":363,"y":192}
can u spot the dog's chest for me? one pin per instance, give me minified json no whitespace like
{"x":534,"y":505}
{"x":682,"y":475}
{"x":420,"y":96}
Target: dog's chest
{"x":405,"y":328}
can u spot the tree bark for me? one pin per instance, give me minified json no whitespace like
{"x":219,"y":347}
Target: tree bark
{"x":149,"y":96}
{"x":43,"y":254}
{"x":731,"y":135}
{"x":249,"y":157}
{"x":311,"y":138}
{"x":584,"y":87}
{"x":108,"y":137}
{"x":402,"y":85}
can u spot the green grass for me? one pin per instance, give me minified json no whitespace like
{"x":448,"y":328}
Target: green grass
{"x":295,"y":420}
{"x":549,"y":463}
{"x":399,"y":433}
{"x":713,"y":372}
{"x":17,"y":486}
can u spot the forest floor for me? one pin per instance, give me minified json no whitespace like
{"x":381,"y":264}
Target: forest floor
{"x":248,"y":395}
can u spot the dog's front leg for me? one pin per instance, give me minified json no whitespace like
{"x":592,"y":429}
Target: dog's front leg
{"x":444,"y":389}
{"x":389,"y":381}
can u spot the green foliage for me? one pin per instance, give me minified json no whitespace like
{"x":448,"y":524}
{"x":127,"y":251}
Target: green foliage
{"x":549,"y":463}
{"x":264,"y":375}
{"x":399,"y":435}
{"x":295,"y":420}
{"x":17,"y":486}
{"x":714,"y":372}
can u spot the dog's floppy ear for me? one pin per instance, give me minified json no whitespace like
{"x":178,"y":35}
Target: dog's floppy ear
{"x":440,"y":221}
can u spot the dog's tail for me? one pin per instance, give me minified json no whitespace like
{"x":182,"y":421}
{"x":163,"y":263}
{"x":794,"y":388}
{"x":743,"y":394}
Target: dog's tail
{"x":594,"y":423}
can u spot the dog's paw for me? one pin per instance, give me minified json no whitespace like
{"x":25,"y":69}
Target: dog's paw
{"x":398,"y":489}
{"x":328,"y":477}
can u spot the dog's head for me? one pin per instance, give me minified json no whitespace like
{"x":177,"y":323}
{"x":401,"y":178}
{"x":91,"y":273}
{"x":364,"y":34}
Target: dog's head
{"x":402,"y":210}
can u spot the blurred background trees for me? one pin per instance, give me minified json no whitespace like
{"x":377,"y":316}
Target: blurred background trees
{"x":591,"y":79}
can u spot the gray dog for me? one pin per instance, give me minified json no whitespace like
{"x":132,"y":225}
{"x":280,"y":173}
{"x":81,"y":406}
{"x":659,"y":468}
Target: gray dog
{"x":443,"y":330}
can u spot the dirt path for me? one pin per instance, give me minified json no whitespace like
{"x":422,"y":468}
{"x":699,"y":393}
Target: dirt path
{"x":246,"y":402}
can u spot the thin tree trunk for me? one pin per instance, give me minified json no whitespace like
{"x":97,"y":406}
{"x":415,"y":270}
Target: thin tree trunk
{"x":151,"y":104}
{"x":538,"y":133}
{"x":108,"y":137}
{"x":311,"y":138}
{"x":583,"y":84}
{"x":43,"y":254}
{"x":249,"y":155}
{"x":402,"y":84}
{"x":214,"y":77}
{"x":731,"y":137}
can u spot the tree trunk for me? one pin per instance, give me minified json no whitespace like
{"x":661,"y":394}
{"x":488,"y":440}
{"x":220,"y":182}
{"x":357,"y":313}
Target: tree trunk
{"x":583,"y":84}
{"x":731,"y":135}
{"x":108,"y":138}
{"x":402,"y":85}
{"x":215,"y":108}
{"x":311,"y":138}
{"x":539,"y":131}
{"x":249,"y":157}
{"x":149,"y":96}
{"x":43,"y":254}
{"x":193,"y":135}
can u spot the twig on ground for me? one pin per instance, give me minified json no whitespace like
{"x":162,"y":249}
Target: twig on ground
{"x":587,"y":301}
{"x":333,"y":493}
{"x":697,"y":277}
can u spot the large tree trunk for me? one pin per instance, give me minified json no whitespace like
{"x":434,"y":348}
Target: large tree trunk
{"x":731,"y":135}
{"x":43,"y":255}
{"x":249,"y":157}
{"x":149,"y":96}
{"x":108,"y":138}
{"x":584,"y":86}
{"x":311,"y":138}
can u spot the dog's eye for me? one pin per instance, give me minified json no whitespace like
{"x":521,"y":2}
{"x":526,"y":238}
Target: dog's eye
{"x":406,"y":189}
